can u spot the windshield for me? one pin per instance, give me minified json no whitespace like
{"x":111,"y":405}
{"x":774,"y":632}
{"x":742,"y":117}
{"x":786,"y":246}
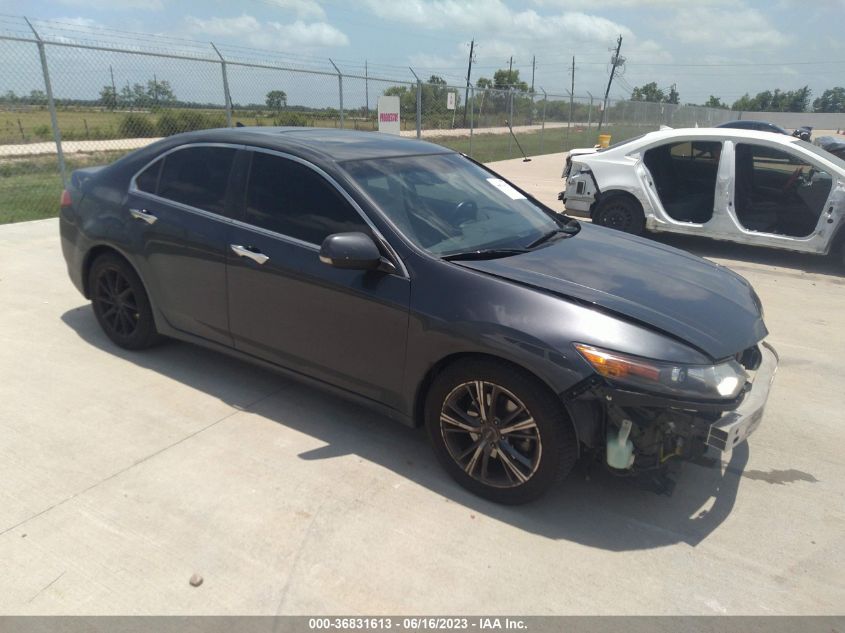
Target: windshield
{"x":823,"y":153}
{"x":447,"y":204}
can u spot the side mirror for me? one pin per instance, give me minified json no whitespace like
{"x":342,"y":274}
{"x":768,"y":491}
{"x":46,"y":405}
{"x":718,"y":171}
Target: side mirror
{"x":353,"y":251}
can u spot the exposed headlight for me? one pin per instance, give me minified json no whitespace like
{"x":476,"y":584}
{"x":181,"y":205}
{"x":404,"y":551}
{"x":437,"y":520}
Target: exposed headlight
{"x":701,"y":382}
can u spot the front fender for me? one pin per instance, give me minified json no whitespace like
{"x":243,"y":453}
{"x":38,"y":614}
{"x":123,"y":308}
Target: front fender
{"x":529,"y":327}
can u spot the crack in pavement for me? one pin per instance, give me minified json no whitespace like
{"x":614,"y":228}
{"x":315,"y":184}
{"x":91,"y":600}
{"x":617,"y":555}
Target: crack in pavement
{"x":45,"y":588}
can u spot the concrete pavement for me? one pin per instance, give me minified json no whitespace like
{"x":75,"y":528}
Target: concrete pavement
{"x":125,"y":473}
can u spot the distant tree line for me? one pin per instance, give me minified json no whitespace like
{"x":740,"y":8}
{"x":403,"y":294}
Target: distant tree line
{"x":650,"y":92}
{"x":831,"y":100}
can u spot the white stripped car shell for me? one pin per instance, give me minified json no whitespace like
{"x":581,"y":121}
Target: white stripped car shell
{"x":591,"y":174}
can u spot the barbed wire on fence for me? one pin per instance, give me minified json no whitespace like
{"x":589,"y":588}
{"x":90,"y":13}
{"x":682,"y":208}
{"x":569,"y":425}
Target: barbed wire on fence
{"x":71,"y":95}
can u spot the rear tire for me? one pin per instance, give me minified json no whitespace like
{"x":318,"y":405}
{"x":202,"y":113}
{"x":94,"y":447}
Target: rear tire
{"x":620,"y":213}
{"x":483,"y":451}
{"x":121,"y":304}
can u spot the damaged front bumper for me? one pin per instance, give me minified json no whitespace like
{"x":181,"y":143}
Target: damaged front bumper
{"x":638,"y":432}
{"x":735,"y":426}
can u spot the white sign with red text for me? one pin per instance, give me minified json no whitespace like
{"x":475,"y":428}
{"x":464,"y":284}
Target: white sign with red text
{"x":388,"y":115}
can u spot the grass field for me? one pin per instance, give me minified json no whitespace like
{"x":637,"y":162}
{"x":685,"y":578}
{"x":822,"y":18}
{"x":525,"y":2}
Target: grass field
{"x":33,"y":125}
{"x":486,"y":148}
{"x":30,"y":188}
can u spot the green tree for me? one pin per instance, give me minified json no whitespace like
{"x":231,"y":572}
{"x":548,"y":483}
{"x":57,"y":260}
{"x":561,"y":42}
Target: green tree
{"x":743,"y":103}
{"x":832,"y":100}
{"x":484,"y":83}
{"x":776,"y":101}
{"x":648,"y":92}
{"x":799,"y":100}
{"x":715,"y":102}
{"x":504,"y":78}
{"x":407,"y":99}
{"x":126,"y":95}
{"x":674,"y":96}
{"x":277,"y":100}
{"x":160,"y":92}
{"x":37,"y":97}
{"x":108,"y":97}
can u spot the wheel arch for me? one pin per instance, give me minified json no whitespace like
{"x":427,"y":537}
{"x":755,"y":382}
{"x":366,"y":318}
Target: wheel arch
{"x":615,"y":193}
{"x":93,"y":254}
{"x":449,"y":360}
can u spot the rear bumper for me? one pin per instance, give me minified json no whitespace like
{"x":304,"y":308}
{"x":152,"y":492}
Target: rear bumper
{"x":735,"y":426}
{"x":70,"y":236}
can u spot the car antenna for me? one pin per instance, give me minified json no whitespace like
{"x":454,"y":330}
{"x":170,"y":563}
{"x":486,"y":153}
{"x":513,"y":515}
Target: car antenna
{"x":525,"y":158}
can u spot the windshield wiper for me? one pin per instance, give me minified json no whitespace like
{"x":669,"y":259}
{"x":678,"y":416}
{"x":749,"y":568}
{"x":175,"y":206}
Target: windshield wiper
{"x":570,"y":228}
{"x":487,"y":253}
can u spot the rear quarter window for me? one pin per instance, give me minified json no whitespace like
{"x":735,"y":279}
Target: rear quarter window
{"x":197,"y":176}
{"x":147,"y":180}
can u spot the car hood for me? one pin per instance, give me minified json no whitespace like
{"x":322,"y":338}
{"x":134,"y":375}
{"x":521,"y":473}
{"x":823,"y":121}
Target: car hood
{"x":707,"y":305}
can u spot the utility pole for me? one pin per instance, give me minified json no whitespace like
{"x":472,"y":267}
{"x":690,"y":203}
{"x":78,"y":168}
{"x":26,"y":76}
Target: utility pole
{"x":533,"y":64}
{"x":571,"y":96}
{"x":366,"y":90}
{"x":113,"y":88}
{"x":469,"y":70}
{"x":616,"y":62}
{"x":510,"y":68}
{"x":155,"y":88}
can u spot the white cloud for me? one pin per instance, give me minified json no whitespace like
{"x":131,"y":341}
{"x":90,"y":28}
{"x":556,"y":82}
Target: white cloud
{"x":309,"y":34}
{"x":734,"y":28}
{"x":104,"y":5}
{"x":494,"y":17}
{"x":85,"y":23}
{"x":270,"y":35}
{"x":224,"y":27}
{"x":638,"y":4}
{"x":302,"y":8}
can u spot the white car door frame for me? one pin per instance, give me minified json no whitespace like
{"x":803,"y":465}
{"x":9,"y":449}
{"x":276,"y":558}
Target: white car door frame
{"x":815,"y":242}
{"x":660,"y":221}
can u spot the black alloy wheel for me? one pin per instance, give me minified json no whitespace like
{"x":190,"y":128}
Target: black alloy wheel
{"x":499,"y":431}
{"x":120,"y":303}
{"x":620,"y":213}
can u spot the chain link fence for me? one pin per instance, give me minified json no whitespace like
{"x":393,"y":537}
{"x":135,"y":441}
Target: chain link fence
{"x":68,"y":101}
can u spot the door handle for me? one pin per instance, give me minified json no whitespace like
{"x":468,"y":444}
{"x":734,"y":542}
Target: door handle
{"x":143,"y":214}
{"x":245,"y":251}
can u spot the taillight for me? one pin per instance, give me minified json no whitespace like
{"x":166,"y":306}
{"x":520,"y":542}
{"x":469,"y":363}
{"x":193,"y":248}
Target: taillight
{"x":66,"y":201}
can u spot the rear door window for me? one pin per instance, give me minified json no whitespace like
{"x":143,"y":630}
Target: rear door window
{"x":289,"y":198}
{"x":197,"y":176}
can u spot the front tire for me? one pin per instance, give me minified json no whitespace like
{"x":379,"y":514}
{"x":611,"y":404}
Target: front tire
{"x":498,"y":431}
{"x":621,"y":213}
{"x":120,"y":303}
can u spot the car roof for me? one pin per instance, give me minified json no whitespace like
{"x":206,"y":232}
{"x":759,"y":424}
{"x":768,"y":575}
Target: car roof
{"x":706,"y":133}
{"x":748,"y":122}
{"x":323,"y":143}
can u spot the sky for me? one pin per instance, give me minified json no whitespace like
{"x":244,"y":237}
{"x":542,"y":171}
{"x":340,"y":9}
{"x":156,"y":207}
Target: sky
{"x":706,"y":47}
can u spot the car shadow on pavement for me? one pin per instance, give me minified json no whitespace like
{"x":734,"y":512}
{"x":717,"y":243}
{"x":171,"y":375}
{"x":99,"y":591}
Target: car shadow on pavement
{"x":706,"y":247}
{"x":590,"y":507}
